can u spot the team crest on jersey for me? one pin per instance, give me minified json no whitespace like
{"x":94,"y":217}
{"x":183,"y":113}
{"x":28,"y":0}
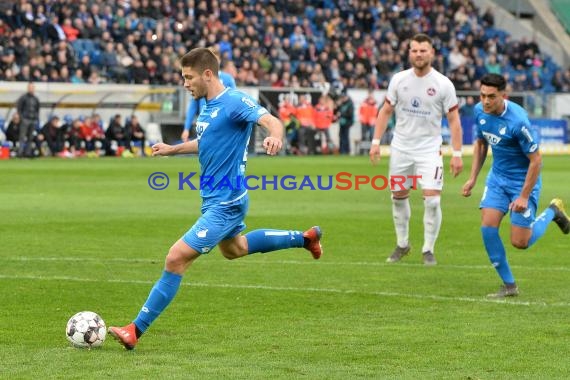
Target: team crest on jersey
{"x":416,"y":102}
{"x":431,"y":91}
{"x":492,"y":138}
{"x":503,"y":130}
{"x":214,"y":113}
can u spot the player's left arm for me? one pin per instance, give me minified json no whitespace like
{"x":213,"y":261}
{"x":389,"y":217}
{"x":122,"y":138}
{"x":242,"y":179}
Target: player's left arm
{"x":456,"y":163}
{"x":274,"y":142}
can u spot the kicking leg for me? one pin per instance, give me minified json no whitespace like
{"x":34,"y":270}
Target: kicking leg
{"x":179,"y":258}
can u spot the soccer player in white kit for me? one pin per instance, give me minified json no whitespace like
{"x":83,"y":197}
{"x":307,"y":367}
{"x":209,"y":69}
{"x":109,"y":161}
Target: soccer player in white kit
{"x":421,"y":97}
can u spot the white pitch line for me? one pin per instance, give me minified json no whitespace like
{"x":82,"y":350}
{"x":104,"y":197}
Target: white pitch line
{"x":283,"y":262}
{"x":294,"y":289}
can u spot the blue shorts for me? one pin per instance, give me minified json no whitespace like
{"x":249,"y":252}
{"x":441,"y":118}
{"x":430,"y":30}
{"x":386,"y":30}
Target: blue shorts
{"x":500,"y":192}
{"x":218,"y":222}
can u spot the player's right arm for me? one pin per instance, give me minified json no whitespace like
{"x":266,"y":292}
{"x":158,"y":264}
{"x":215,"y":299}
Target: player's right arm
{"x":381,"y":124}
{"x":480,"y":148}
{"x":187,"y":147}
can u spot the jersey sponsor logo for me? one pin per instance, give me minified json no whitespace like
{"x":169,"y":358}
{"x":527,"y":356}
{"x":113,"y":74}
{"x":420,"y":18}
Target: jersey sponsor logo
{"x":492,"y":138}
{"x":431,"y":91}
{"x":249,"y":102}
{"x":201,"y":128}
{"x":416,"y":102}
{"x":214,"y":113}
{"x":533,"y":148}
{"x":261,"y":111}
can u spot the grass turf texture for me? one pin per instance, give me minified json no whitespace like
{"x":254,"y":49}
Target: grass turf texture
{"x":91,"y":235}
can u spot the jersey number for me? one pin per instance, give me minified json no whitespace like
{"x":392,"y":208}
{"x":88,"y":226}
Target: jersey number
{"x":438,"y":173}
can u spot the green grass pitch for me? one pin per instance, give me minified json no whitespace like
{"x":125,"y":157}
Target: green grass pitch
{"x":91,"y":235}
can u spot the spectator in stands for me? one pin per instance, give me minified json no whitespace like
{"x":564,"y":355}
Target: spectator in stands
{"x":54,"y":30}
{"x":135,"y":132}
{"x":305,"y":113}
{"x":93,"y":134}
{"x":345,"y":116}
{"x":52,"y":135}
{"x":116,"y":136}
{"x":558,"y":82}
{"x":271,"y":38}
{"x":287,"y":114}
{"x":28,"y":106}
{"x":367,"y":114}
{"x":75,"y":138}
{"x":323,"y":119}
{"x":13,"y":129}
{"x":468,"y":109}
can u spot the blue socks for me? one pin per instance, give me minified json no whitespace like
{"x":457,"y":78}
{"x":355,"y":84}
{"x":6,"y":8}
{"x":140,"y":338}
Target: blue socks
{"x":273,"y":240}
{"x":160,"y":296}
{"x":539,"y":225}
{"x":497,"y":255}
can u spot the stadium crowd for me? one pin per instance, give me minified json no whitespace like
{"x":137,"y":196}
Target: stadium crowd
{"x":354,"y":44}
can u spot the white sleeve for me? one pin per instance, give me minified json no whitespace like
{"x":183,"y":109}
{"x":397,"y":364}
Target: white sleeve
{"x":449,"y":97}
{"x":392,"y":93}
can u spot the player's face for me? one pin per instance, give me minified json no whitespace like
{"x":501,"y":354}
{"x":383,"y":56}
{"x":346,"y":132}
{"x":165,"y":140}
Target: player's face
{"x":194,"y":82}
{"x":421,"y":54}
{"x":492,"y":100}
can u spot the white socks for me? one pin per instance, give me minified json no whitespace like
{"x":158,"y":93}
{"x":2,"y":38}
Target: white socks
{"x":432,"y":221}
{"x":401,"y":213}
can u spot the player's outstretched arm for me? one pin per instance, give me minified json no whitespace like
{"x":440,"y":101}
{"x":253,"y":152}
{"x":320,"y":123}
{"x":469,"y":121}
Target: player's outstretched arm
{"x":456,"y":164}
{"x":480,"y":148}
{"x":381,"y":124}
{"x":162,"y":149}
{"x":274,"y":142}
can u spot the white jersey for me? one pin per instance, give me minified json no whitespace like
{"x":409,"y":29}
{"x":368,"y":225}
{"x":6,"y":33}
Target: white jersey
{"x":420,"y":104}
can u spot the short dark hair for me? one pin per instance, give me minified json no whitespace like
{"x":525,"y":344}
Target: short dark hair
{"x":494,"y":80}
{"x":421,"y":37}
{"x":201,"y":59}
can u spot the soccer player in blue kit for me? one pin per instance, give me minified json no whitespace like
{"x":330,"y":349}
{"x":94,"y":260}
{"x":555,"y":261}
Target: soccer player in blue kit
{"x":195,"y":105}
{"x":513,"y":183}
{"x":223,"y":131}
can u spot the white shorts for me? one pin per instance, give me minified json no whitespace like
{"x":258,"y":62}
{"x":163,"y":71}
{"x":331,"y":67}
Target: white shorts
{"x":409,"y":170}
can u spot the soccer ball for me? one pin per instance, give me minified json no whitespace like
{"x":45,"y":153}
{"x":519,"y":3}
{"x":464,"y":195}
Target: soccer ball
{"x":86,"y":329}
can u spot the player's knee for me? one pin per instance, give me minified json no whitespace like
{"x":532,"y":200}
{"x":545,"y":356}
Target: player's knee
{"x":175,"y":260}
{"x":432,"y":201}
{"x":519,"y":243}
{"x":230,"y":255}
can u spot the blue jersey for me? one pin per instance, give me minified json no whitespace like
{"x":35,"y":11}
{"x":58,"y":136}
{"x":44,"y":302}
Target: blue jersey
{"x":224,"y":127}
{"x":195,"y":105}
{"x":511,"y":139}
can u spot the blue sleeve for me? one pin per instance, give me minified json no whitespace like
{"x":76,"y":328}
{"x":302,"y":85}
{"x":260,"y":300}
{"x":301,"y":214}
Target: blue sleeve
{"x":244,"y":108}
{"x":526,"y":137}
{"x":477,"y":112}
{"x":227,"y":80}
{"x":190,"y":113}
